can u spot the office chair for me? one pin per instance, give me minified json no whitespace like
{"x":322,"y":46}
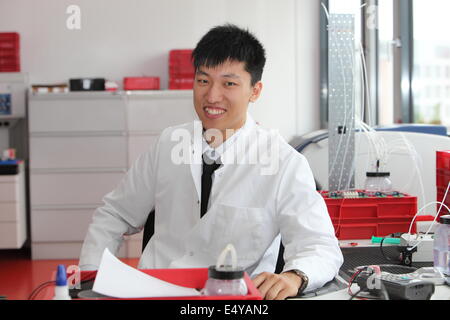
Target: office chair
{"x":149,"y":230}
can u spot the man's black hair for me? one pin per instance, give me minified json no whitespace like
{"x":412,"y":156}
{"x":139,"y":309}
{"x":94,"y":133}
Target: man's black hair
{"x":229,"y":42}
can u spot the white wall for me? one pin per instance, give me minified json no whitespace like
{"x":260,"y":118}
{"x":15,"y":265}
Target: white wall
{"x":121,"y":38}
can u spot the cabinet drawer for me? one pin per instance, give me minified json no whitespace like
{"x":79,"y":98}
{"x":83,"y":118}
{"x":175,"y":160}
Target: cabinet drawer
{"x":138,"y":145}
{"x":12,"y":235}
{"x":78,"y":152}
{"x":62,"y":250}
{"x":10,"y":192}
{"x":72,"y":188}
{"x":60,"y":225}
{"x":10,"y":212}
{"x":74,"y":115}
{"x":156,"y":115}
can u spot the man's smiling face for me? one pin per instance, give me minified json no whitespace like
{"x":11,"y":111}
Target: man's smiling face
{"x":222,"y":94}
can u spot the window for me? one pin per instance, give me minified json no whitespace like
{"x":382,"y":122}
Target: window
{"x":431,"y":53}
{"x":408,"y":63}
{"x":386,"y":62}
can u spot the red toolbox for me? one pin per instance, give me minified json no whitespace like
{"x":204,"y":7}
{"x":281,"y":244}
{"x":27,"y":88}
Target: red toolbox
{"x":364,"y":217}
{"x":141,"y":83}
{"x":9,"y":52}
{"x":181,"y":69}
{"x":191,"y":278}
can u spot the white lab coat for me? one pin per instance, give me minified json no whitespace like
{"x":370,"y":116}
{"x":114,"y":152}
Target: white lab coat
{"x":252,"y":202}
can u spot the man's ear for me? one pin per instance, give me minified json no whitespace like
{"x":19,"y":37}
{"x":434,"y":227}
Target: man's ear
{"x":256,"y":91}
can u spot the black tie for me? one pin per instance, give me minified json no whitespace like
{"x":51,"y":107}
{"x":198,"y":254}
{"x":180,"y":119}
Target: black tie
{"x":208,"y":170}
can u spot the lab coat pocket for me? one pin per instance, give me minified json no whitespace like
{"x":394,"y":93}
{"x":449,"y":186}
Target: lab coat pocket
{"x":243,"y":227}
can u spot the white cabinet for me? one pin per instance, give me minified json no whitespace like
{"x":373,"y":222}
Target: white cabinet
{"x":81,"y":145}
{"x":13,"y":231}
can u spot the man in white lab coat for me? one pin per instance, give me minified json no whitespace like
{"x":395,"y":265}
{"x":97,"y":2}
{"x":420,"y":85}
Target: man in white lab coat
{"x":223,"y":179}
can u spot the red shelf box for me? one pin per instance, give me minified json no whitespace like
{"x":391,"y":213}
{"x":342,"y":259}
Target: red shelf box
{"x":362,"y":218}
{"x":9,"y":52}
{"x":141,"y":83}
{"x":181,"y":70}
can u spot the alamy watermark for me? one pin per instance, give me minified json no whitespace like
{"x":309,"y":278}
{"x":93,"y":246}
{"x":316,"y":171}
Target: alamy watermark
{"x":73,"y":22}
{"x":249,"y":149}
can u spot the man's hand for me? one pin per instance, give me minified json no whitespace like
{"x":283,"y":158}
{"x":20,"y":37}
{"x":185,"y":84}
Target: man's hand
{"x":277,"y":286}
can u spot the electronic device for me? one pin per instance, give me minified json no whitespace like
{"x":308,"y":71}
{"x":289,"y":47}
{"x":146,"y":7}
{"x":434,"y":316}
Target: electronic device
{"x":423,"y":247}
{"x":396,"y":286}
{"x":87,"y":84}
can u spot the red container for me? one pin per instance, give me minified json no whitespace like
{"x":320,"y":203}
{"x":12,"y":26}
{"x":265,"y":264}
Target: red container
{"x":362,"y":218}
{"x":191,"y":278}
{"x":351,"y":229}
{"x":442,"y":178}
{"x":180,"y":63}
{"x":181,"y":83}
{"x":440,"y":198}
{"x":9,"y":52}
{"x":443,"y":160}
{"x":141,"y":83}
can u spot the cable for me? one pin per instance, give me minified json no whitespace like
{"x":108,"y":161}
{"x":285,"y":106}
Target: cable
{"x":382,"y":252}
{"x":39,"y":288}
{"x":326,"y":11}
{"x":355,"y":294}
{"x":435,"y":217}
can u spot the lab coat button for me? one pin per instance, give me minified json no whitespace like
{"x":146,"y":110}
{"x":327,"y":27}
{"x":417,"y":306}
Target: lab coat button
{"x":191,"y":253}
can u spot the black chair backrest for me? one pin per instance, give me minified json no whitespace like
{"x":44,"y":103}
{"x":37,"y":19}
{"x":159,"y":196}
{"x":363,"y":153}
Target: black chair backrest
{"x":149,"y":229}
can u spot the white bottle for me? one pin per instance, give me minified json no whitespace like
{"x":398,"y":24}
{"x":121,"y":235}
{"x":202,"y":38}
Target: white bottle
{"x":61,"y":288}
{"x":441,"y":246}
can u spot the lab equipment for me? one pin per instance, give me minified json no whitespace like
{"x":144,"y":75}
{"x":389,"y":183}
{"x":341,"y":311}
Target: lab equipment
{"x":378,"y":182}
{"x":396,"y":286}
{"x":441,"y":246}
{"x":420,"y":246}
{"x":87,"y":84}
{"x":341,"y":88}
{"x":61,"y":288}
{"x":226,"y":279}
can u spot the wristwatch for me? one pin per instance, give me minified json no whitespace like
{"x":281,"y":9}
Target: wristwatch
{"x":304,"y":278}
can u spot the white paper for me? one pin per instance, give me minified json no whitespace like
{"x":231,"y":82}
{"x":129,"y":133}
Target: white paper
{"x":116,"y":279}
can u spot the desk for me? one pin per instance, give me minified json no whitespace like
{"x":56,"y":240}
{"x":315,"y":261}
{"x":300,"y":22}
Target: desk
{"x":440,"y":293}
{"x":366,"y":253}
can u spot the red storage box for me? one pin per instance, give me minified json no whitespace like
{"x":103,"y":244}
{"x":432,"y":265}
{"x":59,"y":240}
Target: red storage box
{"x":176,"y":83}
{"x":141,"y":83}
{"x":181,"y":70}
{"x":442,"y":178}
{"x":180,"y":63}
{"x":362,"y":218}
{"x":440,"y":198}
{"x":9,"y":52}
{"x":443,"y":160}
{"x":191,"y":278}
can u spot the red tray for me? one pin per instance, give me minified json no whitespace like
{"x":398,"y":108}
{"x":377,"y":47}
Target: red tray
{"x":191,"y":278}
